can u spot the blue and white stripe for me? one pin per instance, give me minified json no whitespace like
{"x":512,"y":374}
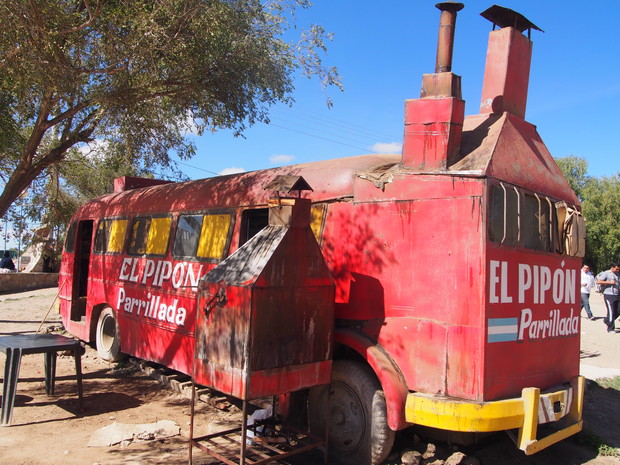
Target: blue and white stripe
{"x":502,"y":329}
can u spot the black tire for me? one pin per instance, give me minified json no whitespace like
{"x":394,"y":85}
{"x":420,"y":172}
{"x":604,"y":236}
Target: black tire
{"x":356,"y":415}
{"x":108,"y":336}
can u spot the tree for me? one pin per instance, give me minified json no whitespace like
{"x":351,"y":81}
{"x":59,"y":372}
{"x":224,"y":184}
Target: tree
{"x":600,"y":209}
{"x":81,"y":176}
{"x":575,"y":171}
{"x":600,"y":198}
{"x":137,"y":75}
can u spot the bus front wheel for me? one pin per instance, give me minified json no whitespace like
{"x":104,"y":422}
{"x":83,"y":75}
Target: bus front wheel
{"x":108,"y":336}
{"x":354,"y":410}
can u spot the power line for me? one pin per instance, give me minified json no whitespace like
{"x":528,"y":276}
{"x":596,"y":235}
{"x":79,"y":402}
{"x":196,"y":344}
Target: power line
{"x":348,"y":126}
{"x":197,"y":168}
{"x":322,"y":138}
{"x":319,"y":131}
{"x":327,"y":131}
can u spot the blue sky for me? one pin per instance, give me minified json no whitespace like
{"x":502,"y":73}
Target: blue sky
{"x":381,"y":50}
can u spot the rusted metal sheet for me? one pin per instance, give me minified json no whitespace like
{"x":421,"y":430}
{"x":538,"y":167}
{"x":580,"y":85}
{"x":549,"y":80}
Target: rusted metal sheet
{"x":507,"y":73}
{"x":265,"y":319}
{"x":508,"y":148}
{"x":505,"y":17}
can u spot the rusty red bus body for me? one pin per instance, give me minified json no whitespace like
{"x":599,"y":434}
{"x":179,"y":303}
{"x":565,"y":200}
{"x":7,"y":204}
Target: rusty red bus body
{"x":456,"y":279}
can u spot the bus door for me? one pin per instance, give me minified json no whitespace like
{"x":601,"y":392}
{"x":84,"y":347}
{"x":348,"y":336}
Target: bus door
{"x":81,"y":265}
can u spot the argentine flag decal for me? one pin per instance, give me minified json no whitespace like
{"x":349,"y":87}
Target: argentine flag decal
{"x":502,"y":329}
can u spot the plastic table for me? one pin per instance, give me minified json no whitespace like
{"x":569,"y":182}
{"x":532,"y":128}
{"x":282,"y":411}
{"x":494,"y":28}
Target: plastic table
{"x":49,"y":344}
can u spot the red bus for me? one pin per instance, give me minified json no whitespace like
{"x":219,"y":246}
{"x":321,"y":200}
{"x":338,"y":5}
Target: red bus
{"x":455,"y":266}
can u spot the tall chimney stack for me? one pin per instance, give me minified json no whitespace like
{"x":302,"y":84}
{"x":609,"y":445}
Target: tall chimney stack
{"x":507,"y":69}
{"x":434,"y":122}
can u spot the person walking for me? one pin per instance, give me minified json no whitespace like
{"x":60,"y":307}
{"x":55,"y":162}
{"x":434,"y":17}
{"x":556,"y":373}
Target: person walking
{"x":611,"y":294}
{"x":587,"y":282}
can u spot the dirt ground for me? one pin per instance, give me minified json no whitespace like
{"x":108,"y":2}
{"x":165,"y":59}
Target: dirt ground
{"x":53,"y":430}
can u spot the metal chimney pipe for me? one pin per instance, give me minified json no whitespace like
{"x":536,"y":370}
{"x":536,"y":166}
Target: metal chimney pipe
{"x":445,"y":43}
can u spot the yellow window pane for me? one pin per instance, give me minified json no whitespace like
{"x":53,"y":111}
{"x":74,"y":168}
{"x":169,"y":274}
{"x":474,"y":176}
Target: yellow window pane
{"x":316,"y":220}
{"x":213,"y":236}
{"x":117,"y":235}
{"x":158,"y":236}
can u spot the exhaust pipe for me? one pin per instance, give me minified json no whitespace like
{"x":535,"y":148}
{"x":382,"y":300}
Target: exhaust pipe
{"x":445,"y":41}
{"x":507,"y":69}
{"x":434,"y":122}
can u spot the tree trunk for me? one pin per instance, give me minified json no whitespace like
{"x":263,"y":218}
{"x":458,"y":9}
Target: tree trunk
{"x":17,"y":183}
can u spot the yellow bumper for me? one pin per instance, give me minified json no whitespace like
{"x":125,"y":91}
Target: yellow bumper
{"x":524,"y":413}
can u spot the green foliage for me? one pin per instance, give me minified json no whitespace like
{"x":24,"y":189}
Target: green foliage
{"x":609,"y":383}
{"x":596,"y":443}
{"x":600,"y":209}
{"x":575,"y":171}
{"x":600,"y":198}
{"x":137,"y":76}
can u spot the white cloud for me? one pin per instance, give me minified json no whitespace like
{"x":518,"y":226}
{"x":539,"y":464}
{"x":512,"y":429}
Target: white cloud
{"x":387,"y":147}
{"x":95,"y":149}
{"x":231,"y":170}
{"x":189,"y":127}
{"x":281,"y":159}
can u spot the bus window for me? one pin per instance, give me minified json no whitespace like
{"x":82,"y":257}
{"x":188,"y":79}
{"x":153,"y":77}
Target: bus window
{"x":546,"y":224}
{"x":513,"y":216}
{"x":117,"y":236}
{"x":139,"y":234}
{"x":317,"y":216}
{"x":149,"y":236}
{"x":534,"y":221}
{"x":110,"y":236}
{"x":252,"y":222}
{"x":159,"y":232}
{"x":187,"y":235}
{"x":504,"y":215}
{"x":531,"y":222}
{"x":214,"y":236}
{"x":538,"y":222}
{"x":202,"y":236}
{"x":70,"y":239}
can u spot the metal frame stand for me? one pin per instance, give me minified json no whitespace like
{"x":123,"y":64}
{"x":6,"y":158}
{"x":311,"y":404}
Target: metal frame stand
{"x":273,"y":443}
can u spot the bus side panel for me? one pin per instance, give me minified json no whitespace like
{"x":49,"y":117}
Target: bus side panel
{"x":441,"y":278}
{"x":410,"y":272}
{"x":533,"y":321}
{"x":155,"y":325}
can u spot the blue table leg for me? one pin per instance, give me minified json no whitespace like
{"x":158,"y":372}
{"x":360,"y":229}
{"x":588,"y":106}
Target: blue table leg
{"x":9,"y":387}
{"x":50,"y":372}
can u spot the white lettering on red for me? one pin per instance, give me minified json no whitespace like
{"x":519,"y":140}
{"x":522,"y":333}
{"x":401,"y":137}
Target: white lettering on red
{"x":554,"y":326}
{"x":124,"y":274}
{"x":154,"y":308}
{"x":159,"y":273}
{"x":535,"y":283}
{"x":149,"y":270}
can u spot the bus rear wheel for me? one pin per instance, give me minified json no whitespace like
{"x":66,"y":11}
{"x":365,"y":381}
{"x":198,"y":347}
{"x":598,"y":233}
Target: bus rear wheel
{"x":353,"y":408}
{"x":108,"y":336}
